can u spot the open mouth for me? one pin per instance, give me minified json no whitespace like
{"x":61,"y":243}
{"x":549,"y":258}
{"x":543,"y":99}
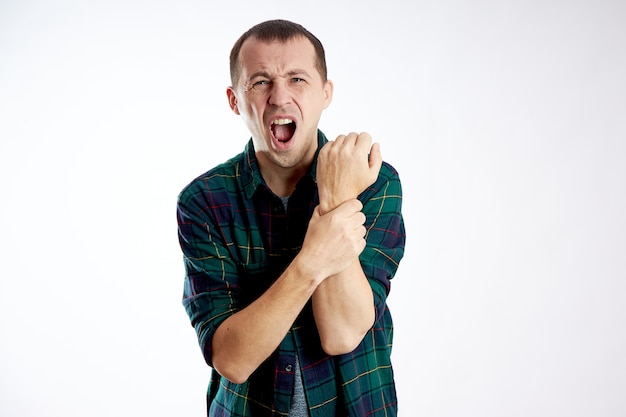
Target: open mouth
{"x":283,"y":129}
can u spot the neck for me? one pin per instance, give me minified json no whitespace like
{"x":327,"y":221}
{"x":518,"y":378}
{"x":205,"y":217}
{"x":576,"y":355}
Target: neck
{"x":282,"y":181}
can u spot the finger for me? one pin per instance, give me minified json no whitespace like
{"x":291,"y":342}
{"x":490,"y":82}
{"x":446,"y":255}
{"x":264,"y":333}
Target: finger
{"x":364,"y":144}
{"x":326,"y":148}
{"x":317,"y":212}
{"x":376,"y":158}
{"x":352,"y":138}
{"x":364,"y":141}
{"x":362,"y":244}
{"x":340,"y":139}
{"x":349,"y":208}
{"x":359,"y":219}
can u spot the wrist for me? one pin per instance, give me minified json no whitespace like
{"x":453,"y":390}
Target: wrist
{"x":330,"y":202}
{"x":326,"y":207}
{"x":303,"y":269}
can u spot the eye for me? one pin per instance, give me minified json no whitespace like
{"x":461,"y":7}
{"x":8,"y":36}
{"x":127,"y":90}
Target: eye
{"x":297,"y":80}
{"x":259,"y":85}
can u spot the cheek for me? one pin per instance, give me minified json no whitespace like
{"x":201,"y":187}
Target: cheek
{"x":253,"y":108}
{"x":253,"y":118}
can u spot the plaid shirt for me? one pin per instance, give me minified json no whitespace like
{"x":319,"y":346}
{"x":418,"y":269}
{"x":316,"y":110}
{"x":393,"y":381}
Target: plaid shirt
{"x":237,"y":238}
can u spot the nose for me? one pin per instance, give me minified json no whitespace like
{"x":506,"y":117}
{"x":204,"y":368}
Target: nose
{"x":280,"y":95}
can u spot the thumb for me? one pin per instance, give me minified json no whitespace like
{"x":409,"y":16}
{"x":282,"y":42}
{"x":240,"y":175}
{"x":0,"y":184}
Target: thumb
{"x":376,"y":158}
{"x":317,"y":212}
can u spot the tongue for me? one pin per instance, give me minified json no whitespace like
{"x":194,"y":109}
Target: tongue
{"x":283,"y":132}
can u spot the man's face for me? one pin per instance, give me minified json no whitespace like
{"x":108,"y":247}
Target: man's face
{"x":280,"y":95}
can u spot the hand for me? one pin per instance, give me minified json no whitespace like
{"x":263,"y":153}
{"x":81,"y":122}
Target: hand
{"x":344,"y":169}
{"x":334,"y":240}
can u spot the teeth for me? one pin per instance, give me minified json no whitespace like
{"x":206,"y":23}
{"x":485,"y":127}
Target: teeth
{"x":282,"y":121}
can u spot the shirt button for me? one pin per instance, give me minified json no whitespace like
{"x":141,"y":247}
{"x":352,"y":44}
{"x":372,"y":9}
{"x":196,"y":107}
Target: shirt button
{"x":288,"y":368}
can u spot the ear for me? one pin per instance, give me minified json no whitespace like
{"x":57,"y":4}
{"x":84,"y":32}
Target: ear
{"x":232,"y":100}
{"x":328,"y":93}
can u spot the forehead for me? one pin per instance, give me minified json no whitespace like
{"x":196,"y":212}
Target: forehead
{"x":276,"y":57}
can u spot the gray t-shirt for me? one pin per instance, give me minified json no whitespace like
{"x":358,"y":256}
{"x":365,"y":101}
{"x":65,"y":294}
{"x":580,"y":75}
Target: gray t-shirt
{"x":298,"y":401}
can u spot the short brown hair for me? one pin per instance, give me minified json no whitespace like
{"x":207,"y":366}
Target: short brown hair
{"x":277,"y":30}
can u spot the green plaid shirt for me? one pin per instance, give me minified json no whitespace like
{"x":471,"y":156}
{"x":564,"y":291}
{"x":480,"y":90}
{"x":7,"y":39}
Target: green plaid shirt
{"x":237,"y":238}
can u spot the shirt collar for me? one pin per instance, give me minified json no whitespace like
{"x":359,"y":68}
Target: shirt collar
{"x":251,"y":175}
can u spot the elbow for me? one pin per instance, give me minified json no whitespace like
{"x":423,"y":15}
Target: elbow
{"x":340,"y":341}
{"x":335,"y":349}
{"x":236,"y":378}
{"x":229,"y":369}
{"x":341,"y":345}
{"x":229,"y":365}
{"x":226,"y":361}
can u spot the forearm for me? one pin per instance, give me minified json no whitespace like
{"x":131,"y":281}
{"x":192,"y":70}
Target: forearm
{"x":244,"y":340}
{"x":343,"y":306}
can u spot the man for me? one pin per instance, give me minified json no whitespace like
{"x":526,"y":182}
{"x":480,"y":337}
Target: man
{"x":289,"y":247}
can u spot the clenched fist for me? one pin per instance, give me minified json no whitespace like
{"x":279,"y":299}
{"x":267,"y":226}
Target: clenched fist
{"x":345,"y":168}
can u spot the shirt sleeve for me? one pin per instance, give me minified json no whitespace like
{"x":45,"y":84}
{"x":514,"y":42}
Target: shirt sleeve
{"x":211,"y":276}
{"x":382,"y":205}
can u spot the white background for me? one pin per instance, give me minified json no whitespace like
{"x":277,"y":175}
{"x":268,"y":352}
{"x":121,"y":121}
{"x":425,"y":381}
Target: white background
{"x":506,"y":120}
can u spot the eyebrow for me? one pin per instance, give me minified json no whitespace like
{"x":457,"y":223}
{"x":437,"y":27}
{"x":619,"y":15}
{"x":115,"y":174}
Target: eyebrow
{"x":265,"y":74}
